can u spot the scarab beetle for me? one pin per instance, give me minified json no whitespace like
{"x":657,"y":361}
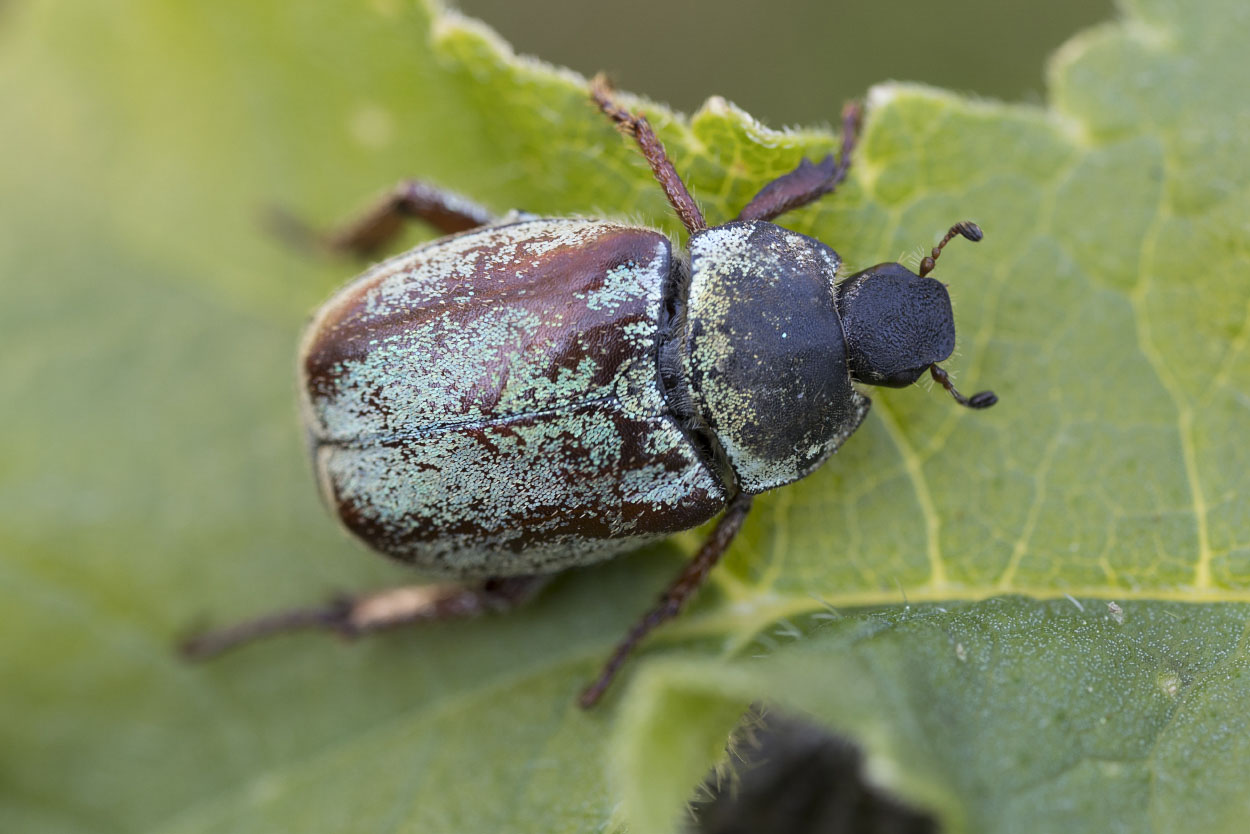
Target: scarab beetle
{"x":533,"y":394}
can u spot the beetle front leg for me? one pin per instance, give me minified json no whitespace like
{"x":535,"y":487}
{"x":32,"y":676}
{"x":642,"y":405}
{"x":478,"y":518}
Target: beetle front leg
{"x":366,"y":613}
{"x":675,"y":597}
{"x":807,"y":183}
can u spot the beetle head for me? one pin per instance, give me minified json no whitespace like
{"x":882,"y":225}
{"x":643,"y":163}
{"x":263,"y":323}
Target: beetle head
{"x":896,"y":323}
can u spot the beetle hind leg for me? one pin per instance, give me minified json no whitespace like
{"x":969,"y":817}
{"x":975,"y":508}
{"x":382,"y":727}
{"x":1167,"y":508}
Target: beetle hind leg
{"x":353,"y":616}
{"x":675,"y":596}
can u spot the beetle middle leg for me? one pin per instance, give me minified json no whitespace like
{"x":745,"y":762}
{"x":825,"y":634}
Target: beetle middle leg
{"x":444,"y":210}
{"x":676,"y":595}
{"x":638,"y":127}
{"x":808,"y":182}
{"x":353,"y":616}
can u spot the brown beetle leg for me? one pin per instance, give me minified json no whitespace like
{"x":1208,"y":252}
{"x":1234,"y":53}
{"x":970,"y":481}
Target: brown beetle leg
{"x":808,"y":182}
{"x":446,"y":211}
{"x":393,"y":607}
{"x":675,"y":597}
{"x":638,"y":127}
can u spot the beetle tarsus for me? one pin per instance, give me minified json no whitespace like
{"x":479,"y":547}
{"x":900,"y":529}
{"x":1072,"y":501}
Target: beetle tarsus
{"x":653,"y":150}
{"x":981,"y":399}
{"x":332,"y":617}
{"x":675,"y":597}
{"x":293,"y":231}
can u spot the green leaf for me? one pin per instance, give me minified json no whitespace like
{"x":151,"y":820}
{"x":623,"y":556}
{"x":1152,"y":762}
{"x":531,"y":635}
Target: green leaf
{"x":1005,"y":715}
{"x":152,"y":475}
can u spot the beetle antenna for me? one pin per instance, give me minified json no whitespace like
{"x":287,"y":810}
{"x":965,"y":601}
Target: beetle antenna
{"x":981,"y":399}
{"x":964,"y":228}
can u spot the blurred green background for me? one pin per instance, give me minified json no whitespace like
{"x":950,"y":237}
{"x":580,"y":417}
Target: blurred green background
{"x":752,"y":53}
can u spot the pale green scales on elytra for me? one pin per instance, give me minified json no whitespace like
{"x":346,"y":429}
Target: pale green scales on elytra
{"x":489,"y":404}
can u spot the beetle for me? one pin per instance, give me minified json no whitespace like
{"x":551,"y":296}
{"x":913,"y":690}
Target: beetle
{"x":533,"y":394}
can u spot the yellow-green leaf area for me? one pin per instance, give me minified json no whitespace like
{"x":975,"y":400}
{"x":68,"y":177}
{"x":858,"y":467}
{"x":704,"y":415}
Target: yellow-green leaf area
{"x":152,"y":473}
